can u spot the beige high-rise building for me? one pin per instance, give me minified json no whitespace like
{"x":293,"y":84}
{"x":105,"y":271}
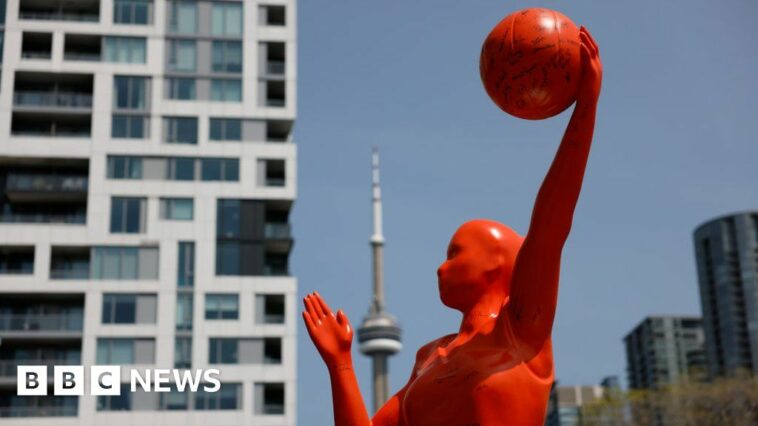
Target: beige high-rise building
{"x":147,"y":173}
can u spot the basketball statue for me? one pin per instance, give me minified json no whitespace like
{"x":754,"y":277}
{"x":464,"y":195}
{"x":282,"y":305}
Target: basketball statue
{"x":498,"y":368}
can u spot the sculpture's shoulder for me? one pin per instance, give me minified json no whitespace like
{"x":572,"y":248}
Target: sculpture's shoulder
{"x":429,"y":348}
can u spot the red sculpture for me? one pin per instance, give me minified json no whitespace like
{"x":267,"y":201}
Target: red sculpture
{"x":498,"y":368}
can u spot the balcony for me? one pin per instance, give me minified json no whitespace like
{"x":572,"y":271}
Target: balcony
{"x":82,"y":47}
{"x":48,"y":187}
{"x":53,"y":99}
{"x":73,"y":218}
{"x":277,"y":230}
{"x":36,"y":45}
{"x":58,"y":10}
{"x":41,"y":322}
{"x":70,"y":263}
{"x":52,"y":125}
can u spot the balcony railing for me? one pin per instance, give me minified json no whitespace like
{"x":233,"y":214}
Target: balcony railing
{"x":69,"y":274}
{"x":272,"y":409}
{"x":273,"y":318}
{"x":275,"y":102}
{"x":53,"y":133}
{"x":42,"y":15}
{"x":276,"y":230}
{"x":82,"y":56}
{"x":71,"y":218}
{"x":45,"y":183}
{"x":65,"y":322}
{"x":52,"y":99}
{"x":8,"y":368}
{"x":275,"y":270}
{"x":38,"y":411}
{"x":275,"y":181}
{"x":275,"y":68}
{"x":32,"y":54}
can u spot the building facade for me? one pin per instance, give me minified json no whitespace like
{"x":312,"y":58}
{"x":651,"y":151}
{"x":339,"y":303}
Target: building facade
{"x":566,"y":402}
{"x":147,"y":173}
{"x":665,"y":350}
{"x":726,"y":250}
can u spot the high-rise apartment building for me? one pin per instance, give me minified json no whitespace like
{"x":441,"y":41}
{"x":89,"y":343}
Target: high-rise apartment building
{"x":665,"y":350}
{"x":726,"y":250}
{"x":147,"y":173}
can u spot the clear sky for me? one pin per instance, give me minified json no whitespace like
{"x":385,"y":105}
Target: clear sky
{"x":676,"y":144}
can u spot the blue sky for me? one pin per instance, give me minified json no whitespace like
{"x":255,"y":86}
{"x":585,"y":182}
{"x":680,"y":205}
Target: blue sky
{"x":676,"y":143}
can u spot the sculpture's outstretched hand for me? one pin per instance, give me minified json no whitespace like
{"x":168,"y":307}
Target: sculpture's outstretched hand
{"x":331,"y":334}
{"x":592,"y":74}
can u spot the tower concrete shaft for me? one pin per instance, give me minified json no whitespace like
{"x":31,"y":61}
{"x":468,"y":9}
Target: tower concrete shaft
{"x":379,"y":334}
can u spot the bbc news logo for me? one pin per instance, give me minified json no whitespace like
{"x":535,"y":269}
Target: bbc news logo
{"x":106,"y":380}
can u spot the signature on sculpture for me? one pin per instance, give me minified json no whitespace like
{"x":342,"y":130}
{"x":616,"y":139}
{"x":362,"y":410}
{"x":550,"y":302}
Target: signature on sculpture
{"x":498,"y":368}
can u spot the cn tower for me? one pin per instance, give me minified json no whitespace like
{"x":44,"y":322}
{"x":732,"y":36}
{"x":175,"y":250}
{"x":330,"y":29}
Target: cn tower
{"x":379,"y":334}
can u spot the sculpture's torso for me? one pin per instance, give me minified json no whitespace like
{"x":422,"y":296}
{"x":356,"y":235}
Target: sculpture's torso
{"x":479,"y":383}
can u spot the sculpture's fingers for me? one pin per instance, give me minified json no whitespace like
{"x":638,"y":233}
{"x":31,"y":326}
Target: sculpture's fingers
{"x":309,"y":325}
{"x":316,"y":305}
{"x":310,"y":306}
{"x":322,"y":303}
{"x":341,"y":319}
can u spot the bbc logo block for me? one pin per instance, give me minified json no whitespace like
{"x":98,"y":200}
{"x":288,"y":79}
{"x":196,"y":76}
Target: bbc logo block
{"x":68,"y":380}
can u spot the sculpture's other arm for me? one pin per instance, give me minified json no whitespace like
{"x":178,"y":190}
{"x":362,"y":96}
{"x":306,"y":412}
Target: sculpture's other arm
{"x":534,"y":281}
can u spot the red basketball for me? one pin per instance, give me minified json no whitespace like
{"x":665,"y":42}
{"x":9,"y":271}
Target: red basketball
{"x":531,"y":63}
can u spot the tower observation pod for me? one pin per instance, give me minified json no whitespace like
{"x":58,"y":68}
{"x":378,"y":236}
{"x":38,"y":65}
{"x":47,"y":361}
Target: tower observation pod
{"x":379,"y":334}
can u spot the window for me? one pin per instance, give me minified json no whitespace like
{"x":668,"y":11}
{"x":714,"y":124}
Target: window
{"x":177,"y":208}
{"x":119,"y":309}
{"x":183,"y":17}
{"x":272,"y":15}
{"x":130,"y":92}
{"x":121,"y":402}
{"x":226,"y":90}
{"x":125,"y":263}
{"x":125,"y":126}
{"x":223,"y":351}
{"x":174,"y":400}
{"x":226,"y":129}
{"x":221,"y":306}
{"x":184,"y":311}
{"x":124,"y":167}
{"x":131,"y":12}
{"x":186,"y":273}
{"x":226,"y":19}
{"x":115,"y":351}
{"x":129,"y":309}
{"x":119,"y":351}
{"x":228,"y":219}
{"x":269,"y":398}
{"x":17,"y":260}
{"x":180,"y":169}
{"x":269,"y":308}
{"x":182,"y":353}
{"x":180,"y":130}
{"x":227,"y":56}
{"x":228,"y":258}
{"x":125,"y":49}
{"x":180,"y":88}
{"x":220,"y":169}
{"x":227,"y":398}
{"x":128,"y":215}
{"x":182,"y":55}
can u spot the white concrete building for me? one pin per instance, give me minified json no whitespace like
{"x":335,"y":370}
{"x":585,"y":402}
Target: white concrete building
{"x":147,"y":172}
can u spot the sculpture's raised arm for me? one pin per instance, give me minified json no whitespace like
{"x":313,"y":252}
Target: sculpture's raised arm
{"x":333,"y":335}
{"x":534,"y":282}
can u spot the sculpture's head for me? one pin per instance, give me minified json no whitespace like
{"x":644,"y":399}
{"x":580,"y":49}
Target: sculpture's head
{"x":480,"y":259}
